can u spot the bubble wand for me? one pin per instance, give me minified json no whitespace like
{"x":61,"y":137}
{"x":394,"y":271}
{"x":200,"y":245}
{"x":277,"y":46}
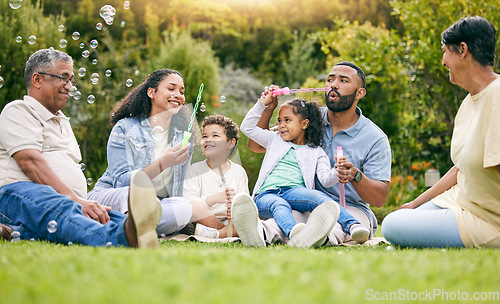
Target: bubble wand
{"x":287,"y":91}
{"x":229,"y":225}
{"x":340,"y":153}
{"x":187,"y":134}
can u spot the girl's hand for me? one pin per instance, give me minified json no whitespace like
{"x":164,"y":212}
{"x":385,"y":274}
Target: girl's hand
{"x":267,"y":98}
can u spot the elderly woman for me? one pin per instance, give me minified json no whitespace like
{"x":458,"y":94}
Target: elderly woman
{"x":463,"y":208}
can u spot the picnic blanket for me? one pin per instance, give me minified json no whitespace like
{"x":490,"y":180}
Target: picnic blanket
{"x":185,"y":237}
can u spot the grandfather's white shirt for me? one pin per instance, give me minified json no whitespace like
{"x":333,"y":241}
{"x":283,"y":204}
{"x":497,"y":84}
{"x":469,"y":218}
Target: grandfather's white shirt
{"x":27,"y":124}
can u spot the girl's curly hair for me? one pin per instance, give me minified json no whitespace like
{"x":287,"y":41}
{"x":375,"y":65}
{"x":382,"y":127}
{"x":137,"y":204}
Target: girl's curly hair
{"x":308,"y":110}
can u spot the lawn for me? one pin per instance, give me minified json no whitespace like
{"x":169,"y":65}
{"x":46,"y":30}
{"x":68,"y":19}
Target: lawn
{"x":192,"y":272}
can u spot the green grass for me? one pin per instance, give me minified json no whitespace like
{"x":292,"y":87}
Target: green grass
{"x":192,"y":272}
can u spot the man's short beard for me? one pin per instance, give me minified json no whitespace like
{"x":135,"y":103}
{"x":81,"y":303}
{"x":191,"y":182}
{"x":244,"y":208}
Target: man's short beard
{"x":343,"y":104}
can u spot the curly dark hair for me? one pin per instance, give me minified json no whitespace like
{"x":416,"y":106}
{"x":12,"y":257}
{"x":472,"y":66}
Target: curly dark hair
{"x":138,"y":103}
{"x":230,"y":127}
{"x":308,"y":110}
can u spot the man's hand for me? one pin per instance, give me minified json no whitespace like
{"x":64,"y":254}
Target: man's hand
{"x":94,"y":210}
{"x":345,"y":170}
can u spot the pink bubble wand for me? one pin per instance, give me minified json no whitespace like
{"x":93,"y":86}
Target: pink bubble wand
{"x":288,"y":91}
{"x":340,"y":153}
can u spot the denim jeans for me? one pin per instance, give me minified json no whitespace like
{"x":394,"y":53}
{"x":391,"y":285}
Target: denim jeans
{"x":279,"y":203}
{"x":176,"y":212}
{"x":28,"y":208}
{"x":426,"y":226}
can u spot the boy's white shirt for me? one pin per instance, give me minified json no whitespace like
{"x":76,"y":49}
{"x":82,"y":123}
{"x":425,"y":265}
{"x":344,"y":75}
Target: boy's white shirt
{"x":312,"y":161}
{"x":202,"y":182}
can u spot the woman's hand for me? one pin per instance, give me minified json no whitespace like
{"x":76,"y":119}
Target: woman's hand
{"x":175,"y":156}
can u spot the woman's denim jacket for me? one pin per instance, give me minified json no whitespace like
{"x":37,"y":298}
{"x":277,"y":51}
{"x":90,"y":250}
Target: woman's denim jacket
{"x":130,"y":147}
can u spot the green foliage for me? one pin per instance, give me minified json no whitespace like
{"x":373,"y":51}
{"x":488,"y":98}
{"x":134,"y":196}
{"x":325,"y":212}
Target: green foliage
{"x":430,"y":102}
{"x":193,"y":58}
{"x":375,"y":50}
{"x":24,"y":22}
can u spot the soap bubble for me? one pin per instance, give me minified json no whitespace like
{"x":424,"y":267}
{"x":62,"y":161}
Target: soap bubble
{"x":108,"y":73}
{"x":94,"y":61}
{"x":52,"y":226}
{"x":91,"y":100}
{"x":108,"y":12}
{"x":94,"y":77}
{"x":0,"y":67}
{"x":98,"y":26}
{"x":82,"y":166}
{"x":32,"y":39}
{"x":126,"y":5}
{"x":136,"y":73}
{"x":223,"y":99}
{"x":63,"y":43}
{"x":60,"y":28}
{"x":129,"y":82}
{"x":70,"y":243}
{"x":19,"y":39}
{"x":15,"y":4}
{"x":82,"y":71}
{"x":32,"y":240}
{"x":162,"y":235}
{"x":109,"y":244}
{"x":85,"y":54}
{"x":72,"y":91}
{"x":93,"y":43}
{"x":75,"y":35}
{"x":122,"y":24}
{"x":203,"y":108}
{"x":82,"y":45}
{"x":1,"y":82}
{"x":89,"y":181}
{"x":389,"y":248}
{"x":77,"y":95}
{"x":51,"y":48}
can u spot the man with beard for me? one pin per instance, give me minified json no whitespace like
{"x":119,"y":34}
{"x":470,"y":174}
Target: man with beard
{"x":367,"y":172}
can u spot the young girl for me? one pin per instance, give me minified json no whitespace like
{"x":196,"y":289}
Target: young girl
{"x":286,"y":180}
{"x":214,"y":182}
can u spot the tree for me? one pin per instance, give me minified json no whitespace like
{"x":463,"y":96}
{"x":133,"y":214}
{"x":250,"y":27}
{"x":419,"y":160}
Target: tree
{"x":26,"y":21}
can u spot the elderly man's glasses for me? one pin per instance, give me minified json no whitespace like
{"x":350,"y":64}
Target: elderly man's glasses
{"x":64,"y":79}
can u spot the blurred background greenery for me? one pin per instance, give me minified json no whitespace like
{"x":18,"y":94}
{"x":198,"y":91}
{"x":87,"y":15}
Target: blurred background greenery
{"x":237,"y":47}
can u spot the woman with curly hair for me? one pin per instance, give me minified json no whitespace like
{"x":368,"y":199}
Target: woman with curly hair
{"x":147,"y":134}
{"x":293,"y":159}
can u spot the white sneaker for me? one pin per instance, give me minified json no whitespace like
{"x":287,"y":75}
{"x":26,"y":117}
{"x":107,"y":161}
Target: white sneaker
{"x":359,"y":233}
{"x":317,"y":227}
{"x":202,"y":230}
{"x":296,"y":229}
{"x":245,"y":219}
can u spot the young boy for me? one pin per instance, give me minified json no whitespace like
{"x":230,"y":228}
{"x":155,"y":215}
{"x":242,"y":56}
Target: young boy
{"x":216,"y":180}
